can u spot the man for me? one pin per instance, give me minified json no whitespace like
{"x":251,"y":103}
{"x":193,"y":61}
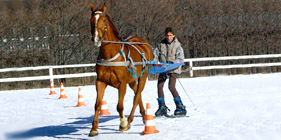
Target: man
{"x":169,"y":50}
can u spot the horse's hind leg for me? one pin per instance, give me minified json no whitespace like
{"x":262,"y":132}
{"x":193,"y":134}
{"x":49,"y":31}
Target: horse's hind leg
{"x":120,"y":107}
{"x":137,"y":99}
{"x":142,"y":110}
{"x":134,"y":87}
{"x":100,"y":87}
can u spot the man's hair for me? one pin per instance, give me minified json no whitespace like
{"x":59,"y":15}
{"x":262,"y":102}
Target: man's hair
{"x":168,"y":30}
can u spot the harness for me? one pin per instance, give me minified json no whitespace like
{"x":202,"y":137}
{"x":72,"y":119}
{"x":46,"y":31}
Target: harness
{"x":128,"y":61}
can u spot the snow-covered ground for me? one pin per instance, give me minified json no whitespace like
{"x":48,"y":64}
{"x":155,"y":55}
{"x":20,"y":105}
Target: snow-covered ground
{"x":240,"y":107}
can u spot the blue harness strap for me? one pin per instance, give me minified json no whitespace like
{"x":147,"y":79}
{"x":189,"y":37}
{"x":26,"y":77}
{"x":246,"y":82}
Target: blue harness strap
{"x":143,"y":64}
{"x":129,"y":63}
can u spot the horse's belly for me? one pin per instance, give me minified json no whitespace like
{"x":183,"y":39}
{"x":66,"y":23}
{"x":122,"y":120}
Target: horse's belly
{"x":109,"y":78}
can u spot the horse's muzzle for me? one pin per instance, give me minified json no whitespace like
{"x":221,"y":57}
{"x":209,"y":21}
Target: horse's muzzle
{"x":97,"y":41}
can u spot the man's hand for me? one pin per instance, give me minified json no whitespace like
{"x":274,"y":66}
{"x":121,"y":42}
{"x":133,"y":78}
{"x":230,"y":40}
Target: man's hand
{"x":158,"y":64}
{"x":177,"y":61}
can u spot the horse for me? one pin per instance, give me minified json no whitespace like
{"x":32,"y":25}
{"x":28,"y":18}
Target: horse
{"x":120,"y":62}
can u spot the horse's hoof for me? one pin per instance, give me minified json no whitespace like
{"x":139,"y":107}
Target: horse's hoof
{"x":93,"y":133}
{"x":122,"y":129}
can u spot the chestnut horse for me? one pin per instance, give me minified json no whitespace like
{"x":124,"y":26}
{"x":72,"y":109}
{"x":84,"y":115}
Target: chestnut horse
{"x":120,"y":62}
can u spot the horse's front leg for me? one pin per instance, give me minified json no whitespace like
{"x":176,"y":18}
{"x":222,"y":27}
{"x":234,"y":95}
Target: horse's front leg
{"x":120,"y":107}
{"x":100,"y":87}
{"x":137,"y":100}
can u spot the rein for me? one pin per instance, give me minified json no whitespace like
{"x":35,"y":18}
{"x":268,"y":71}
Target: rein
{"x":123,"y":42}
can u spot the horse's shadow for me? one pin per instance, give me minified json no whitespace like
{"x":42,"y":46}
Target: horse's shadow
{"x":64,"y":130}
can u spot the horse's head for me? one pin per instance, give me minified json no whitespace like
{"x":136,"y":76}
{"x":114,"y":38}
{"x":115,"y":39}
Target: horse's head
{"x":99,"y":23}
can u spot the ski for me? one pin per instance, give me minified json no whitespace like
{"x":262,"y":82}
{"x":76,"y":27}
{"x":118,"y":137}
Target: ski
{"x":180,"y":116}
{"x":172,"y":116}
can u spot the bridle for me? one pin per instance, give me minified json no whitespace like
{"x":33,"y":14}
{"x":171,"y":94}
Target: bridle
{"x":99,"y":28}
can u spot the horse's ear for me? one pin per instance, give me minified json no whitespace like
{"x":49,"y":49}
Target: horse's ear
{"x":104,"y":7}
{"x":92,"y":7}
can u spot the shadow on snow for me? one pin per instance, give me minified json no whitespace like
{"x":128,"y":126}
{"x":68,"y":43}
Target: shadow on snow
{"x":61,"y":131}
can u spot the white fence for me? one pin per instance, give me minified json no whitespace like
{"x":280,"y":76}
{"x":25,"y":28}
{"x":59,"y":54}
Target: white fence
{"x":50,"y":76}
{"x":190,"y":61}
{"x":231,"y":66}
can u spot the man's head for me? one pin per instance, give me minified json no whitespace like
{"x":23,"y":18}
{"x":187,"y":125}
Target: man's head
{"x":169,"y":34}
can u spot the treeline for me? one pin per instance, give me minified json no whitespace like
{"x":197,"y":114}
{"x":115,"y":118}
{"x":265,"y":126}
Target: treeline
{"x":48,"y":32}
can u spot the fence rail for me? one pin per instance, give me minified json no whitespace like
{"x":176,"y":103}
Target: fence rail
{"x":50,"y":76}
{"x":190,"y":61}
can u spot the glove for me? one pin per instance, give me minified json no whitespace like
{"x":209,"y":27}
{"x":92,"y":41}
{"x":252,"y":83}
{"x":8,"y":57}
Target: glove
{"x":177,"y":61}
{"x":158,"y":64}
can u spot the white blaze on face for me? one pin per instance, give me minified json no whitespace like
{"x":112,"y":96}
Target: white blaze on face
{"x":97,"y":16}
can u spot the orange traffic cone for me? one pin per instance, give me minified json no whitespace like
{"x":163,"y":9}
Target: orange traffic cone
{"x":149,"y":122}
{"x":80,"y":99}
{"x":62,"y":92}
{"x":52,"y":88}
{"x":104,"y":108}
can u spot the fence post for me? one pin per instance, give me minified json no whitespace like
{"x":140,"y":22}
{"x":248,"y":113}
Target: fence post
{"x":190,"y":68}
{"x":51,"y":77}
{"x":52,"y":84}
{"x":51,"y":73}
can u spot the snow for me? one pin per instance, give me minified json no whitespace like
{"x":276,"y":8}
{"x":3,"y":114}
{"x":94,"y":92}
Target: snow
{"x":239,"y":107}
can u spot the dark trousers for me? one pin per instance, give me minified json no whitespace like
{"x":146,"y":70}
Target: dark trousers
{"x":172,"y":84}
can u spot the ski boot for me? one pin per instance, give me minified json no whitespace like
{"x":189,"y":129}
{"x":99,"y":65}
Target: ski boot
{"x":163,"y":109}
{"x":180,"y":109}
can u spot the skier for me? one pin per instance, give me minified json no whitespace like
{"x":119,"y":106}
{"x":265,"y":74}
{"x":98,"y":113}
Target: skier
{"x":169,"y":50}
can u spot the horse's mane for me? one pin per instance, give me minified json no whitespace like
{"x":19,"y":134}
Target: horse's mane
{"x":115,"y":31}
